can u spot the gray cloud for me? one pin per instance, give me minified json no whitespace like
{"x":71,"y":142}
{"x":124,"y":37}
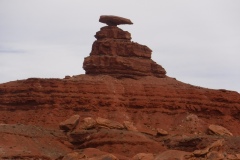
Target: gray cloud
{"x":197,"y":42}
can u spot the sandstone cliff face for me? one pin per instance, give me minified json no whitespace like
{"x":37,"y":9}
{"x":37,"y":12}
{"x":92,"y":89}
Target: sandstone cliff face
{"x":126,"y":104}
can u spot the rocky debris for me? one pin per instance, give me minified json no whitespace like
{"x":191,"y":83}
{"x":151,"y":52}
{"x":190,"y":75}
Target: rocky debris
{"x":143,"y":156}
{"x":102,"y":122}
{"x":161,"y":132}
{"x":114,"y":20}
{"x":70,"y":123}
{"x":214,"y":145}
{"x":88,"y":123}
{"x":147,"y":130}
{"x":114,"y":54}
{"x":219,"y":130}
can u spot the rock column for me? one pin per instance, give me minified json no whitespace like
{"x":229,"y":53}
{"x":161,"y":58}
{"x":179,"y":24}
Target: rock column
{"x":114,"y":54}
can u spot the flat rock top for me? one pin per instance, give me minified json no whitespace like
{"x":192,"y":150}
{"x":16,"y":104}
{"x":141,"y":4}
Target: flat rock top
{"x":114,"y":20}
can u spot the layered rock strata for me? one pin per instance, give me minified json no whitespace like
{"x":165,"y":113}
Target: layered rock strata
{"x":114,"y":54}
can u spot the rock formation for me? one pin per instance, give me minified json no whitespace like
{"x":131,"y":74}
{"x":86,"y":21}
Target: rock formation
{"x":114,"y":20}
{"x":114,"y":54}
{"x":124,"y":107}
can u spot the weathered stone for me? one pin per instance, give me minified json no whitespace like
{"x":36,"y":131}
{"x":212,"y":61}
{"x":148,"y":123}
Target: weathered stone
{"x":114,"y":20}
{"x":219,"y":130}
{"x":108,"y":123}
{"x":147,"y":130}
{"x":216,"y":144}
{"x":129,"y":126}
{"x":88,"y":123}
{"x":161,"y":132}
{"x":143,"y":156}
{"x":70,"y":123}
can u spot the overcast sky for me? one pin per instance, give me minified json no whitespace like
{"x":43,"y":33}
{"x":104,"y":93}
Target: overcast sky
{"x":196,"y":41}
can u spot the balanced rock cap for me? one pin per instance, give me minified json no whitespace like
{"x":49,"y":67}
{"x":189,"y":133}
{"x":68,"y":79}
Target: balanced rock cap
{"x":114,"y":20}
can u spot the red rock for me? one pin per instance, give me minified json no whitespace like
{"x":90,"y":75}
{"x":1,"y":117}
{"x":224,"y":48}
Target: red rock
{"x":122,"y":67}
{"x":219,"y":130}
{"x":114,"y":54}
{"x":114,"y":20}
{"x":108,"y":123}
{"x":147,"y":130}
{"x":70,"y":123}
{"x":88,"y":123}
{"x":214,"y":145}
{"x":125,"y":49}
{"x":112,"y":32}
{"x":161,"y":132}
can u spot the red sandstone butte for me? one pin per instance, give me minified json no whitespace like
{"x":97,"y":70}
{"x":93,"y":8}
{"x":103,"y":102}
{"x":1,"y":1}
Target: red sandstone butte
{"x":122,"y":84}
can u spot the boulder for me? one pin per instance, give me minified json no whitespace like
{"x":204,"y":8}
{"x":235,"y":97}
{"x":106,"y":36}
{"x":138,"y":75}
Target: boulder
{"x":70,"y":123}
{"x":161,"y":132}
{"x":147,"y":130}
{"x":214,"y":145}
{"x":219,"y":130}
{"x":88,"y":123}
{"x":114,"y":20}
